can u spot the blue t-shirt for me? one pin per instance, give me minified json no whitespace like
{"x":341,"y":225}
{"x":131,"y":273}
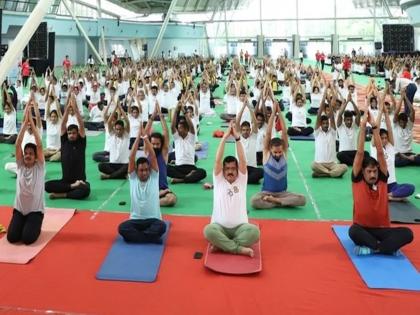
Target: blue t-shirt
{"x":145,"y":202}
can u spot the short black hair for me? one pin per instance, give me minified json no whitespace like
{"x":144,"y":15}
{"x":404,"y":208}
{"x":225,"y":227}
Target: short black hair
{"x":183,"y":123}
{"x":383,"y":132}
{"x":230,"y":159}
{"x":53,"y":112}
{"x":276,"y":142}
{"x":158,"y":135}
{"x":324,"y":118}
{"x":369,"y":161}
{"x":259,"y":114}
{"x":142,"y":160}
{"x":73,"y":127}
{"x":245,"y":124}
{"x":32,"y":146}
{"x":403,"y":117}
{"x":348,"y":114}
{"x":120,"y":123}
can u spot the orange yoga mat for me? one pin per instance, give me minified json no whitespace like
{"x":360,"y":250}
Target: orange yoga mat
{"x":54,"y":220}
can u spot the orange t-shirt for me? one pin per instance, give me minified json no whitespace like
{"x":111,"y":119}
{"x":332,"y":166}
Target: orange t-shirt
{"x":370,"y":203}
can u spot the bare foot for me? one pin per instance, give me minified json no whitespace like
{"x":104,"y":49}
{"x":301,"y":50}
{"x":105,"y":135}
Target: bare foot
{"x":267,"y":198}
{"x":105,"y":176}
{"x":207,"y":186}
{"x":246,"y":251}
{"x":177,"y":180}
{"x":214,"y":249}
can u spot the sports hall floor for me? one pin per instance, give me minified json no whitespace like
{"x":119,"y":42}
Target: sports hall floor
{"x":305,"y":269}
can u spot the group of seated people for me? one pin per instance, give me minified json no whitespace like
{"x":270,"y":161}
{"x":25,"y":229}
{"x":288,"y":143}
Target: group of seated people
{"x":133,"y":150}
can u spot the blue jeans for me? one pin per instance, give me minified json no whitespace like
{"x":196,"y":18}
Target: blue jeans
{"x":410,"y":92}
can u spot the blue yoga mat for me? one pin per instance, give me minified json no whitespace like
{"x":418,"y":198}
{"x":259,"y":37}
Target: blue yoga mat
{"x":303,"y":138}
{"x":204,"y":152}
{"x":380,"y":271}
{"x":133,"y":262}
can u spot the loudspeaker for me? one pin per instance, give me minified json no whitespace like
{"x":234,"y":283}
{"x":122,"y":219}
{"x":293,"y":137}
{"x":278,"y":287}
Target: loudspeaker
{"x":398,"y":38}
{"x":51,"y":49}
{"x":37,"y":46}
{"x":378,"y":45}
{"x":144,"y":47}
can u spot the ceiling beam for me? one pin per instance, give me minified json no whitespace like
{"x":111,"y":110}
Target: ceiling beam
{"x":95,"y":7}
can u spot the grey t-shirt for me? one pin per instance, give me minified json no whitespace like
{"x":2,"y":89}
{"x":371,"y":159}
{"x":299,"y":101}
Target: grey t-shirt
{"x":30,"y":187}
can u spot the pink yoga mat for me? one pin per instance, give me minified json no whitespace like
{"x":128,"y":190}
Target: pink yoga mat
{"x":54,"y":220}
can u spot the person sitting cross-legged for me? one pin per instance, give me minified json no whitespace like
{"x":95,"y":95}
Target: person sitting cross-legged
{"x":229,"y":230}
{"x":325,"y":135}
{"x":73,"y":185}
{"x":274,"y":192}
{"x":145,"y":224}
{"x":119,"y":142}
{"x":184,"y":170}
{"x":371,"y":230}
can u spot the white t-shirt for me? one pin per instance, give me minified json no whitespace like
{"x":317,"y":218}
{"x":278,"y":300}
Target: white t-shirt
{"x":204,"y":105}
{"x":53,"y":135}
{"x":135,"y":124}
{"x":229,"y":201}
{"x":389,"y":153}
{"x":30,"y":138}
{"x":325,"y":145}
{"x":316,"y":100}
{"x":95,"y":97}
{"x":250,"y":148}
{"x":403,"y":138}
{"x":96,"y":114}
{"x":151,"y":101}
{"x":347,"y":137}
{"x":232,"y":104}
{"x":184,"y":149}
{"x":30,"y":187}
{"x":72,"y":120}
{"x":9,"y":123}
{"x":298,"y":116}
{"x":260,"y":138}
{"x":119,"y":148}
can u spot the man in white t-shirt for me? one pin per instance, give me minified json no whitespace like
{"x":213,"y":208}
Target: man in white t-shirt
{"x":229,"y":230}
{"x":249,"y":138}
{"x":183,"y":132}
{"x":403,"y":136}
{"x":119,"y":141}
{"x":325,"y":136}
{"x":231,"y":101}
{"x":347,"y":129}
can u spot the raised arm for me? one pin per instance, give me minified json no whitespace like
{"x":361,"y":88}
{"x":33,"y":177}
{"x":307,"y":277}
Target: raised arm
{"x":379,"y":149}
{"x":340,"y":113}
{"x":78,"y":117}
{"x":65,"y":118}
{"x":25,"y":125}
{"x":175,"y":117}
{"x":399,"y":105}
{"x":125,"y":119}
{"x":218,"y":162}
{"x":150,"y":152}
{"x":360,"y":154}
{"x":240,"y":151}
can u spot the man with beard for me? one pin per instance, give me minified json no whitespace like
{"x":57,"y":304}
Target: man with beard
{"x":371,"y":231}
{"x":73,"y":185}
{"x":160,"y":145}
{"x":274,"y":192}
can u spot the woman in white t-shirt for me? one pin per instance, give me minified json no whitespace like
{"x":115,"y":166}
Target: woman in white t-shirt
{"x":299,"y":125}
{"x":316,"y":97}
{"x":135,"y":122}
{"x":52,"y":152}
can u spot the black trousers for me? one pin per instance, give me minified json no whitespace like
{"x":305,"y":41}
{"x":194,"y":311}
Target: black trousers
{"x":254,"y":174}
{"x":313,"y":111}
{"x":25,"y":81}
{"x":259,"y":158}
{"x":385,"y":240}
{"x":400,"y":161}
{"x":347,"y":157}
{"x":115,"y":170}
{"x":142,"y":230}
{"x":227,"y":117}
{"x":101,"y":156}
{"x":304,"y":131}
{"x":8,"y":139}
{"x":183,"y":171}
{"x":322,"y":64}
{"x":90,"y":125}
{"x":25,"y":228}
{"x":62,"y":186}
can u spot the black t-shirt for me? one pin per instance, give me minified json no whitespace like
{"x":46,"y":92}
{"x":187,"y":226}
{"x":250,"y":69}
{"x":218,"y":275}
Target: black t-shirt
{"x":73,"y":158}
